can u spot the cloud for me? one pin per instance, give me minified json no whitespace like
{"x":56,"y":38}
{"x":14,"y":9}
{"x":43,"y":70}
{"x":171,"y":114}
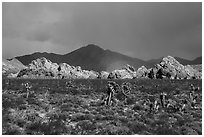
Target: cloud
{"x":142,"y":30}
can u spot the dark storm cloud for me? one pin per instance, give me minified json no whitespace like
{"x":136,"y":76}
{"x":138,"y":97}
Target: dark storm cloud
{"x":142,"y":30}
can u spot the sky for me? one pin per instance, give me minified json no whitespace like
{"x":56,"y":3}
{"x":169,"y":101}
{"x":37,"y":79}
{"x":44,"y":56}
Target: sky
{"x":141,"y":30}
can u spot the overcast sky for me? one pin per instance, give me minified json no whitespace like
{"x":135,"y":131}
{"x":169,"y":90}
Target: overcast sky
{"x":141,"y":30}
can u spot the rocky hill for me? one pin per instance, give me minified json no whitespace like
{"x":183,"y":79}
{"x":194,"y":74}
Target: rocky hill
{"x":169,"y":67}
{"x":44,"y":68}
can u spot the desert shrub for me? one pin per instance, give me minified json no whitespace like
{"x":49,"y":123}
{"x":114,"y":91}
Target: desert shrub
{"x":165,"y":130}
{"x":12,"y":129}
{"x":118,"y":130}
{"x":120,"y":96}
{"x":78,"y":117}
{"x":123,"y":119}
{"x":99,"y":117}
{"x":187,"y":131}
{"x":136,"y":126}
{"x":85,"y":125}
{"x":130,"y":100}
{"x":53,"y":126}
{"x":108,"y":117}
{"x":34,"y":128}
{"x":197,"y":126}
{"x":137,"y":107}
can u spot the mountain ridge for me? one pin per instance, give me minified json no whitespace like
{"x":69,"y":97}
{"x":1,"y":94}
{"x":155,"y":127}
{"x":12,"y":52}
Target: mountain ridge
{"x":93,"y":57}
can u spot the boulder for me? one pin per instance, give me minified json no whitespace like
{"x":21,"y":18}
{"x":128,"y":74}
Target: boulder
{"x":64,"y":70}
{"x":90,"y":74}
{"x":11,"y":75}
{"x":192,"y":73}
{"x":120,"y":74}
{"x":197,"y":67}
{"x":131,"y":70}
{"x":103,"y":75}
{"x":127,"y":72}
{"x":142,"y":72}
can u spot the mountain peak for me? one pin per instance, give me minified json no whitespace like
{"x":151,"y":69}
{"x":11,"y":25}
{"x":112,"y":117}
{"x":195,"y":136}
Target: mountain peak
{"x":93,"y":46}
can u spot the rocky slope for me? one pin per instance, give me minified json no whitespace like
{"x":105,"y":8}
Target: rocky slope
{"x":11,"y":67}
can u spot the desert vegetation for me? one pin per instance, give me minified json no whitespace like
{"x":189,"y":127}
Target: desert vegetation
{"x":76,"y":107}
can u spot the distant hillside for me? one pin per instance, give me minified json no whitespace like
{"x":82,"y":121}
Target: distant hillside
{"x":197,"y":60}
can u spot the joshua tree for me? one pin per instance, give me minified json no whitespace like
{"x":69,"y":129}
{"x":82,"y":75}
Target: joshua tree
{"x":151,"y":107}
{"x":110,"y":91}
{"x":163,"y":99}
{"x":151,"y":74}
{"x":156,"y":105}
{"x":28,"y":87}
{"x":126,"y":88}
{"x":7,"y":84}
{"x":184,"y":105}
{"x":193,"y":100}
{"x":192,"y":88}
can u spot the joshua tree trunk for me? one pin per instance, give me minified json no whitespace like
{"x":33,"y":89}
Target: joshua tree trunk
{"x":109,"y":98}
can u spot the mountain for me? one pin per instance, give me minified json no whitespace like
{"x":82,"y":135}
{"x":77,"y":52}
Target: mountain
{"x":92,"y":57}
{"x":198,"y":60}
{"x":26,"y":59}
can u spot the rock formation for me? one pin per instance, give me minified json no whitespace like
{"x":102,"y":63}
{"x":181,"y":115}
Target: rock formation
{"x":128,"y":72}
{"x":142,"y":72}
{"x":103,"y":75}
{"x":192,"y":73}
{"x":43,"y":68}
{"x":169,"y":67}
